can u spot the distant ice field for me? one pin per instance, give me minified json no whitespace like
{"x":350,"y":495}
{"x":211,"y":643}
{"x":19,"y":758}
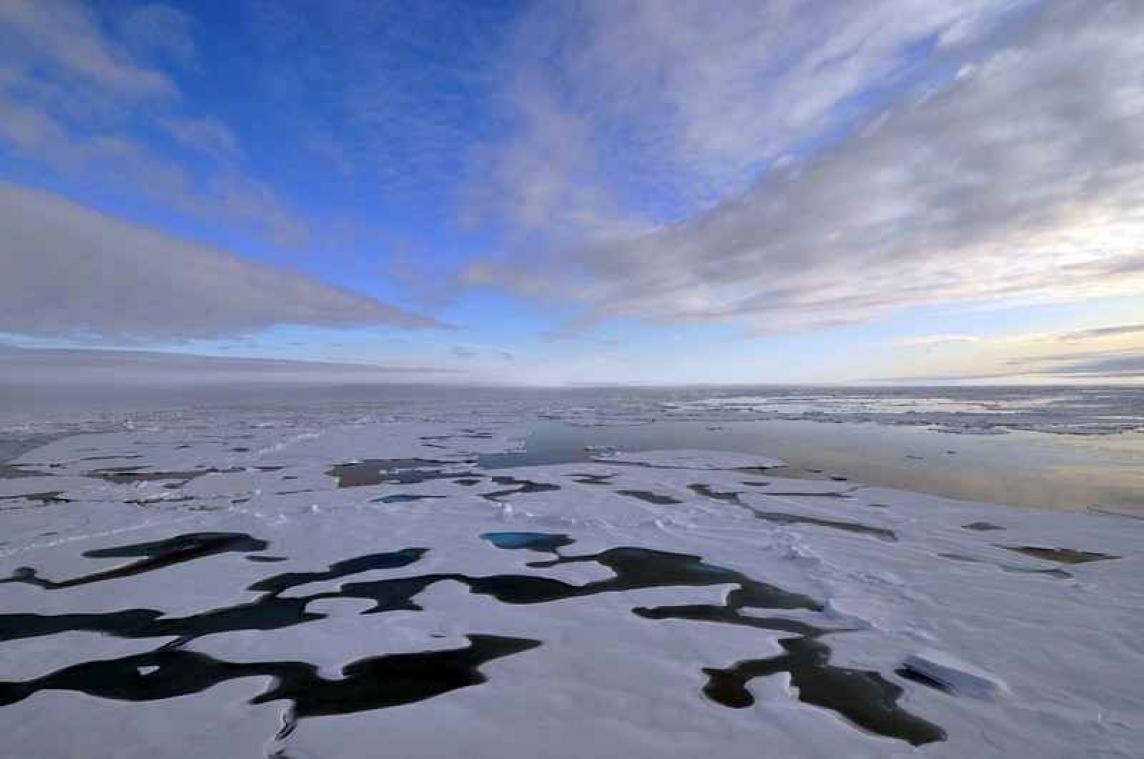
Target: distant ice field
{"x":1048,"y":447}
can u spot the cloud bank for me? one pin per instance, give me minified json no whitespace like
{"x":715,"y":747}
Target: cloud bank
{"x":56,"y":366}
{"x":905,"y":156}
{"x":70,"y":271}
{"x":1096,"y":333}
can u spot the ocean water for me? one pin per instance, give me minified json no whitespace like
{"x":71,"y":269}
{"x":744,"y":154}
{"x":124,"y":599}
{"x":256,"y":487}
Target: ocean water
{"x":1018,"y":468}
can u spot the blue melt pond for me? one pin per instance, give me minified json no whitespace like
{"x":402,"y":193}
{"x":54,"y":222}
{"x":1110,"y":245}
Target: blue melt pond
{"x":533,"y":541}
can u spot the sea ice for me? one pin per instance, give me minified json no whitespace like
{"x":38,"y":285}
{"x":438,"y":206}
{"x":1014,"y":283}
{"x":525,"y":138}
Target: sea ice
{"x":250,"y":605}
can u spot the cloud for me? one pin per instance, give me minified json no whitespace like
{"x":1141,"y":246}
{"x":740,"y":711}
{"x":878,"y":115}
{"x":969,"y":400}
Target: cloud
{"x":1011,"y":168}
{"x":87,"y":96}
{"x":65,"y":366}
{"x":1108,"y":364}
{"x":205,"y":135}
{"x":155,"y":30}
{"x":1116,"y":366}
{"x":938,"y":340}
{"x":570,"y":333}
{"x":1099,"y":332}
{"x":620,"y":110}
{"x":1049,"y":358}
{"x":471,"y":352}
{"x":462,"y":351}
{"x":70,"y":271}
{"x":67,"y":36}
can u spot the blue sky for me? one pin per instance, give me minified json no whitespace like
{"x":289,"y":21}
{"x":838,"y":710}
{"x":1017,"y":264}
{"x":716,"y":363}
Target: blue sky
{"x":551,"y":192}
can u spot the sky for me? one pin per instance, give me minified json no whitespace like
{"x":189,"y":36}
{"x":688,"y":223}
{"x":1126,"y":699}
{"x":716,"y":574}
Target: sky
{"x":567,"y":192}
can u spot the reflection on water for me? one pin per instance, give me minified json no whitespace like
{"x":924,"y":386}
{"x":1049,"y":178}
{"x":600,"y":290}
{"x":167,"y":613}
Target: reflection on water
{"x":1018,"y":468}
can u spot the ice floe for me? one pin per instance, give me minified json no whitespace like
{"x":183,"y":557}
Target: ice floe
{"x":324,"y":585}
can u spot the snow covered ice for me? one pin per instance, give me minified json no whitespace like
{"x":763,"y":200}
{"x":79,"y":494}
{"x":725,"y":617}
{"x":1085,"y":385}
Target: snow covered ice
{"x":224,"y":584}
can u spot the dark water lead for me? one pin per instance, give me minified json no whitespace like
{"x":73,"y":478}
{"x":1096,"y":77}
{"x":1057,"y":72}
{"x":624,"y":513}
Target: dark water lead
{"x":43,"y":499}
{"x":157,"y":554}
{"x":376,"y":682}
{"x":15,"y":471}
{"x":280,"y":583}
{"x":730,"y":496}
{"x":730,"y":615}
{"x":1063,"y":555}
{"x":633,"y":569}
{"x":1054,"y":572}
{"x":865,"y":698}
{"x":267,"y":612}
{"x":463,"y":435}
{"x":906,"y":672}
{"x":981,"y":526}
{"x":129,"y":474}
{"x":270,"y":611}
{"x":517,"y":487}
{"x":803,"y":494}
{"x":640,"y":568}
{"x":862,"y":697}
{"x":648,"y":496}
{"x":780,"y":517}
{"x":592,"y":479}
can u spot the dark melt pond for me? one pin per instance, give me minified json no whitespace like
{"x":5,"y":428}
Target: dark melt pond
{"x":863,"y":697}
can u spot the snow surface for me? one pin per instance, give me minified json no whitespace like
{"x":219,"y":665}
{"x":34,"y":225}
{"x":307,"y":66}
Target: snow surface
{"x":284,"y":577}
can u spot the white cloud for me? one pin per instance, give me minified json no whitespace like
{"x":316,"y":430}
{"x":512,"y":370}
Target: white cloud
{"x":158,"y":30}
{"x":67,"y":34}
{"x":1112,"y":351}
{"x":481,"y":352}
{"x":938,"y":340}
{"x":1095,"y":333}
{"x":79,"y":92}
{"x":1021,"y":179}
{"x":204,"y":134}
{"x":84,"y":370}
{"x":69,"y":271}
{"x":684,"y":101}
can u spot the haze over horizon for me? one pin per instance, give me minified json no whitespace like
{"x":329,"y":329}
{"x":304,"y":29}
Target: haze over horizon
{"x":559,"y":193}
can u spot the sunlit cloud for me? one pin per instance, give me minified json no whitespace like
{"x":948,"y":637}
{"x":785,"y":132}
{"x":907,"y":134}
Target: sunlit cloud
{"x":1117,"y":330}
{"x":1016,"y":178}
{"x":1111,"y":352}
{"x":938,"y":340}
